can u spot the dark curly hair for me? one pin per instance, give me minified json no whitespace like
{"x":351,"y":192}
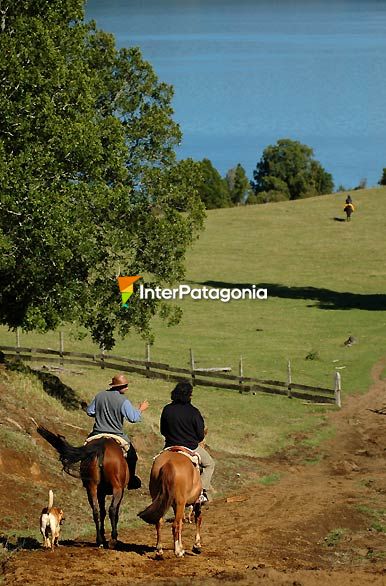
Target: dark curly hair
{"x":182,"y":393}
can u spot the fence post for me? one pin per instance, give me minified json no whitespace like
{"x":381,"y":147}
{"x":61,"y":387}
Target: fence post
{"x":192,"y":367}
{"x":17,"y":343}
{"x":289,"y":379}
{"x":337,"y":389}
{"x":61,"y":346}
{"x":147,"y":358}
{"x":241,"y":374}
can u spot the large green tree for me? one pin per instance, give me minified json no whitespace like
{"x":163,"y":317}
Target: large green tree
{"x":287,"y":170}
{"x":212,"y":187}
{"x":89,"y":183}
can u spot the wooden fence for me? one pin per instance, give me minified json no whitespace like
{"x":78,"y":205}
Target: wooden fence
{"x":208,"y":377}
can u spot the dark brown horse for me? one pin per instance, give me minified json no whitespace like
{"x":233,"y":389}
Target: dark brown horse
{"x":103,"y":470}
{"x":174,"y":482}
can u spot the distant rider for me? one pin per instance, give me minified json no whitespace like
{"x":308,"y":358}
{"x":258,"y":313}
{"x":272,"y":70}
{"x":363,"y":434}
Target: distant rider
{"x":349,"y":208}
{"x":110,"y":408}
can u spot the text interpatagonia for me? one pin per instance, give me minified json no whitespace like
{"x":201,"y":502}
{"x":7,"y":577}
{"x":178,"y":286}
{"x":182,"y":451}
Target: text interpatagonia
{"x":198,"y":293}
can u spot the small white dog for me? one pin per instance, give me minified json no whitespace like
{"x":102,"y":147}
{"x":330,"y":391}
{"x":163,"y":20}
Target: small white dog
{"x":51,"y":519}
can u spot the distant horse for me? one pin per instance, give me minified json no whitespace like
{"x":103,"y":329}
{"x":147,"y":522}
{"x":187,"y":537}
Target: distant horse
{"x":103,"y":470}
{"x":348,"y":208}
{"x":174,"y":482}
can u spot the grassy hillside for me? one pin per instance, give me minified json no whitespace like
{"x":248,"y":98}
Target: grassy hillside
{"x":326,"y":280}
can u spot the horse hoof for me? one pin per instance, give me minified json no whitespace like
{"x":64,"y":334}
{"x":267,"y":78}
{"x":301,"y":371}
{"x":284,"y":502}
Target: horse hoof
{"x":112,"y":544}
{"x":196,"y":549}
{"x":180,"y":554}
{"x":159,"y":554}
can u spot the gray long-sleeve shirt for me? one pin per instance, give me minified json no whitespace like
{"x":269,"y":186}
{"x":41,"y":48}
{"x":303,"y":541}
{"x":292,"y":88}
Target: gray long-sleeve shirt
{"x":110,"y":408}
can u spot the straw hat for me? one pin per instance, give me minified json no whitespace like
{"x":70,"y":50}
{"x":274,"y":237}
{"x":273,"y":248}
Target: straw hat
{"x":119,"y":380}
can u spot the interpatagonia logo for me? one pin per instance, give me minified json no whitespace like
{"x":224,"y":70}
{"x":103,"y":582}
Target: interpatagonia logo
{"x":198,"y":293}
{"x":126,"y":287}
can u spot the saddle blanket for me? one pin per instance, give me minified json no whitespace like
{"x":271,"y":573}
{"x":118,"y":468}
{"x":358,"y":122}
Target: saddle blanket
{"x":120,"y":440}
{"x":193,"y":456}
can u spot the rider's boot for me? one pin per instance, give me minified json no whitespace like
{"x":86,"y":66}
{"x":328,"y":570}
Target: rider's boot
{"x":131,"y":458}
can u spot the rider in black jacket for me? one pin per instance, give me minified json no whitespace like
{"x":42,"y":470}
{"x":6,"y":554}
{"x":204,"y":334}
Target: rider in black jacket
{"x":183,"y":425}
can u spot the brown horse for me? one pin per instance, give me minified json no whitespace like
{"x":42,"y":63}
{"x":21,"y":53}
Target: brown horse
{"x":103,"y":470}
{"x":174,"y":482}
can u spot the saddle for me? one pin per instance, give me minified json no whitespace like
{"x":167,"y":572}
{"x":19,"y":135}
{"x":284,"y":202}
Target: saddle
{"x":124,"y":444}
{"x":193,"y":456}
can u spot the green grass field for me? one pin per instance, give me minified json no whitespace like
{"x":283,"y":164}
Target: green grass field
{"x":326,"y":280}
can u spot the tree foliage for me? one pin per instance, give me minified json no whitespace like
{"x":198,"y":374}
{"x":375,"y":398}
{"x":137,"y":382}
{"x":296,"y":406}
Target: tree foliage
{"x":239,"y":186}
{"x":287,"y":170}
{"x":212,"y":187}
{"x":382,"y":180}
{"x":89,"y":183}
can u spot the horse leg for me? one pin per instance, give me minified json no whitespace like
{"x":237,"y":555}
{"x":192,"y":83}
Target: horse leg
{"x":93,"y":500}
{"x":159,"y":549}
{"x":102,"y":512}
{"x":114,"y":515}
{"x":198,"y":520}
{"x":177,"y":529}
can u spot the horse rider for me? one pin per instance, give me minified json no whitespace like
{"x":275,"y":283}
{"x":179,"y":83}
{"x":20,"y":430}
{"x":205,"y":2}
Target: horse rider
{"x":110,"y":408}
{"x":183,"y":425}
{"x":349,"y":208}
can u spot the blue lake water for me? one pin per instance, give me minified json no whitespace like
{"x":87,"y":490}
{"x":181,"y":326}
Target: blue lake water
{"x":247,"y":73}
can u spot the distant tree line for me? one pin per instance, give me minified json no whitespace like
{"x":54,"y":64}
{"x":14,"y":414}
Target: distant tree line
{"x":286,"y":171}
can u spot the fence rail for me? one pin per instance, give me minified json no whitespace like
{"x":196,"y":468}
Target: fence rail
{"x":211,"y":377}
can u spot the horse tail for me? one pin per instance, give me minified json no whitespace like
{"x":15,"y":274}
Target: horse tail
{"x":69,"y":455}
{"x":156,"y":510}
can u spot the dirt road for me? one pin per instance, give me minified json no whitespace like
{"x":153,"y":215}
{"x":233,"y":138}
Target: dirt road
{"x":320,"y":524}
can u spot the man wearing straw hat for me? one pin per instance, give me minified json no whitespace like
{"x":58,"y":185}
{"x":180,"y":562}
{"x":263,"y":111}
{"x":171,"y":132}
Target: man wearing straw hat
{"x":110,"y":408}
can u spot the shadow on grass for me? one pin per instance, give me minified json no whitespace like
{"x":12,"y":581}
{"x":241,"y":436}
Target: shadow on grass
{"x":52,"y":384}
{"x":325,"y":298}
{"x":20,"y":543}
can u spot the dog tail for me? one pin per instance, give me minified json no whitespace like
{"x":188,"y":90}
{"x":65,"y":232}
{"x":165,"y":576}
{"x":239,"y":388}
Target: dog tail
{"x":50,"y":499}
